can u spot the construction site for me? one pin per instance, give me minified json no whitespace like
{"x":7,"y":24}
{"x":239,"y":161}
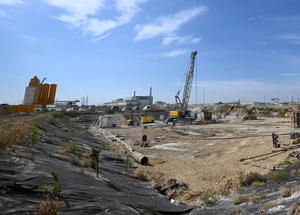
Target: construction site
{"x":185,"y":159}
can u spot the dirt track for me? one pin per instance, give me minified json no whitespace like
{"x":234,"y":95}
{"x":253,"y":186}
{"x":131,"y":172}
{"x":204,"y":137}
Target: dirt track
{"x":206,"y":155}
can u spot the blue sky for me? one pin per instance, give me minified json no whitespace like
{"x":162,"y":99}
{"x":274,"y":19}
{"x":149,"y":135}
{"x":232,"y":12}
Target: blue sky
{"x":107,"y":49}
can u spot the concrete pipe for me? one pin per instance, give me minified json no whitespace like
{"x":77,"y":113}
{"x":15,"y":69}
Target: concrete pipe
{"x":139,"y":158}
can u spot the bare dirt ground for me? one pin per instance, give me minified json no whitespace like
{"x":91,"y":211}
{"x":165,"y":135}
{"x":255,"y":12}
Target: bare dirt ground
{"x":205,"y":155}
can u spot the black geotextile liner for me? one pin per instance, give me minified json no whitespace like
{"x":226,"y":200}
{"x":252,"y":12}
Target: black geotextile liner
{"x":81,"y":193}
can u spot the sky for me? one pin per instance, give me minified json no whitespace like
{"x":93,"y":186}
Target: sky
{"x":107,"y":49}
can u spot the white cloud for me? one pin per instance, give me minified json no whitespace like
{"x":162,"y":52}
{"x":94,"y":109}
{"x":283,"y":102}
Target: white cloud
{"x":181,"y":40}
{"x":251,"y":18}
{"x":80,"y":12}
{"x":167,"y":25}
{"x":173,"y":53}
{"x":99,"y":38}
{"x":10,"y":2}
{"x":262,"y":44}
{"x":291,"y":38}
{"x":30,"y":38}
{"x":291,"y":74}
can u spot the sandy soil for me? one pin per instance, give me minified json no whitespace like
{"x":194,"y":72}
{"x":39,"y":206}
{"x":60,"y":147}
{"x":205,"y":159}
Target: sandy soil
{"x":205,"y":155}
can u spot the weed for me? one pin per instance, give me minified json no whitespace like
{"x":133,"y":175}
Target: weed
{"x":240,"y":190}
{"x":95,"y":153}
{"x":66,"y":139}
{"x":65,"y":129}
{"x":20,"y":174}
{"x":92,"y":163}
{"x":208,"y":196}
{"x":278,"y":177}
{"x":236,"y":211}
{"x":45,"y":188}
{"x":72,"y":148}
{"x":56,"y":181}
{"x":81,"y":170}
{"x":36,"y":136}
{"x":295,"y":208}
{"x":268,"y":206}
{"x":82,"y":132}
{"x":79,"y":155}
{"x":24,"y":164}
{"x":258,"y":198}
{"x":127,"y":163}
{"x":20,"y":155}
{"x":241,"y":178}
{"x":148,"y":209}
{"x":74,"y":161}
{"x":50,"y":206}
{"x":240,"y":199}
{"x":62,"y":157}
{"x":6,"y":138}
{"x":258,"y":183}
{"x":287,"y":162}
{"x":90,"y":196}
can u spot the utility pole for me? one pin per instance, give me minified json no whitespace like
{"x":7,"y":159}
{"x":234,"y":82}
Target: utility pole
{"x":203,"y":96}
{"x":264,"y":99}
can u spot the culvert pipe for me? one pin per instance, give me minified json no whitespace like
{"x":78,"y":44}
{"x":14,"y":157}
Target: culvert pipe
{"x":139,"y":158}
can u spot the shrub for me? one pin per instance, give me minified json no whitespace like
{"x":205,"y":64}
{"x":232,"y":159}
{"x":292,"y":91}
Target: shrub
{"x":95,"y":153}
{"x":240,"y":199}
{"x":258,"y":184}
{"x":92,"y":163}
{"x":295,"y":208}
{"x":208,"y":196}
{"x":268,"y":206}
{"x":141,"y":175}
{"x":74,"y":161}
{"x":72,"y":148}
{"x":241,"y":178}
{"x":127,"y":163}
{"x":258,"y":198}
{"x":6,"y":138}
{"x":252,"y":177}
{"x":45,"y":188}
{"x":286,"y":192}
{"x":50,"y":206}
{"x":236,"y":211}
{"x":278,"y":177}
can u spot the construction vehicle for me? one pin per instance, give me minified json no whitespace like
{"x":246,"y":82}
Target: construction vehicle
{"x":147,"y":119}
{"x":129,"y":122}
{"x":182,"y":111}
{"x":249,"y":114}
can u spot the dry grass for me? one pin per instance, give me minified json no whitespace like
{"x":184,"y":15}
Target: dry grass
{"x":141,"y":175}
{"x":86,"y":154}
{"x":20,"y":174}
{"x":45,"y":188}
{"x":24,"y":164}
{"x":258,"y":198}
{"x":65,"y":129}
{"x":65,"y":147}
{"x":81,"y":170}
{"x":236,"y":211}
{"x":296,"y":171}
{"x":50,"y":206}
{"x":295,"y":208}
{"x":241,"y":199}
{"x":258,"y":183}
{"x":286,"y":192}
{"x":268,"y":206}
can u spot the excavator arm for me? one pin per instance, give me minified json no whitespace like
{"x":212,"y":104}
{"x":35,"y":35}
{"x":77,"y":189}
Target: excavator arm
{"x":248,"y":113}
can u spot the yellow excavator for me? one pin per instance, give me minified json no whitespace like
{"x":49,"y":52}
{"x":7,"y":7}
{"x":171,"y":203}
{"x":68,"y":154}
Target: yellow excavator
{"x":249,"y":114}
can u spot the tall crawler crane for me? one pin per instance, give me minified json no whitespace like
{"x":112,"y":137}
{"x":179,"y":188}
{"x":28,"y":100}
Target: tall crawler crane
{"x":182,"y":106}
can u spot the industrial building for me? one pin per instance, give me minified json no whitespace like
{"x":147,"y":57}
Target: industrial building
{"x":36,"y":95}
{"x":132,"y":101}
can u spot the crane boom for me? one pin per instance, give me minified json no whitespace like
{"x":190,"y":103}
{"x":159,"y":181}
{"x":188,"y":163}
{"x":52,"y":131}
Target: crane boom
{"x":188,"y":83}
{"x":182,"y":106}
